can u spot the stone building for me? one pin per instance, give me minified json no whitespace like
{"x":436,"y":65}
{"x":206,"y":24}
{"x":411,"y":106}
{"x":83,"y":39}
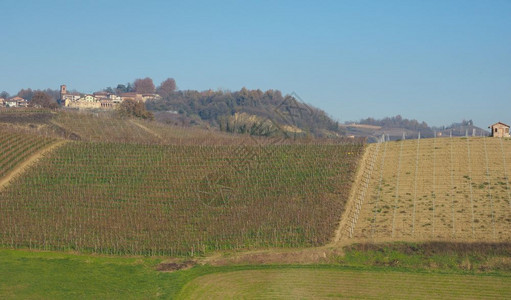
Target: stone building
{"x":499,"y":129}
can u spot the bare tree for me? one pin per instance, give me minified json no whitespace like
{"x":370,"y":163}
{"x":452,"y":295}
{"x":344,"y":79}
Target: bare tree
{"x":133,"y":108}
{"x":26,"y":94}
{"x":42,"y":99}
{"x":166,"y":88}
{"x":4,"y":95}
{"x":144,"y":86}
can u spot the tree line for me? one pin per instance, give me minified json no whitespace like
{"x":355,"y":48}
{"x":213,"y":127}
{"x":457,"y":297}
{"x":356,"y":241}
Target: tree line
{"x":397,"y":122}
{"x":249,"y":111}
{"x":144,"y":86}
{"x":245,"y":111}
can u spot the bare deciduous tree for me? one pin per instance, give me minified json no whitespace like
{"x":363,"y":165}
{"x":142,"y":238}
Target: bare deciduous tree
{"x":26,"y":94}
{"x":134,"y":108}
{"x":144,"y":86}
{"x":166,"y":88}
{"x":42,"y":99}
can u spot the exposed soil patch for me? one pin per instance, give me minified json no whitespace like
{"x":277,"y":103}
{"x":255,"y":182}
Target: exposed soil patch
{"x":175,"y":266}
{"x":275,"y":256}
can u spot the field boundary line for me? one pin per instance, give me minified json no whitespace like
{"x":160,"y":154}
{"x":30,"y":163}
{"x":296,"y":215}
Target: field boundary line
{"x":146,"y":129}
{"x":23,"y":166}
{"x":452,"y":188}
{"x":434,"y":186}
{"x":415,"y":184}
{"x":488,"y":179}
{"x":351,"y":203}
{"x":366,"y":178}
{"x":396,"y":201}
{"x":469,"y":161}
{"x":505,"y":171}
{"x":377,"y":203}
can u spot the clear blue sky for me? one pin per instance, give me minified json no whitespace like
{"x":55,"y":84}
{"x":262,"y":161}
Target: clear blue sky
{"x":436,"y":61}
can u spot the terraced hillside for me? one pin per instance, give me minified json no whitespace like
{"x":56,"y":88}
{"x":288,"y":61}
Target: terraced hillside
{"x":433,"y":189}
{"x":178,"y":200}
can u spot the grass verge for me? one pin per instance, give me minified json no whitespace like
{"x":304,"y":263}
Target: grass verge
{"x":37,"y":274}
{"x":442,"y":256}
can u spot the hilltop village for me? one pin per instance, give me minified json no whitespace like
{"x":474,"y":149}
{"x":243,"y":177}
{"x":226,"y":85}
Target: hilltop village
{"x":100,"y":100}
{"x":97,"y":100}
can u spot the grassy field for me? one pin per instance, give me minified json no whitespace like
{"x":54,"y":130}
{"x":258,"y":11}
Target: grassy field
{"x":432,"y":270}
{"x":321,"y":283}
{"x":454,"y":189}
{"x":51,"y":275}
{"x":178,"y":200}
{"x":56,"y":275}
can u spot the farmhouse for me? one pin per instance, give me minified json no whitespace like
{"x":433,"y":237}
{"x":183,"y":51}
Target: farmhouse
{"x":499,"y":129}
{"x":16,"y":102}
{"x":134,"y":96}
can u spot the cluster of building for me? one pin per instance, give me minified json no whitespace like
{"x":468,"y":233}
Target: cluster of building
{"x":13,"y":102}
{"x":98,"y":100}
{"x":101,"y":100}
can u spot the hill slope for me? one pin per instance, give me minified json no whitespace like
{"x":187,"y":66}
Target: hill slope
{"x":16,"y":148}
{"x":433,"y":189}
{"x":178,"y":200}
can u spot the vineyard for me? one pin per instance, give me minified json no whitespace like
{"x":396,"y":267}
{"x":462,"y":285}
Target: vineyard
{"x":15,"y":148}
{"x":177,"y":199}
{"x":107,"y":127}
{"x":433,"y":189}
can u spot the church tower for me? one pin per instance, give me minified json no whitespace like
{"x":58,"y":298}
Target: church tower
{"x":63,"y":91}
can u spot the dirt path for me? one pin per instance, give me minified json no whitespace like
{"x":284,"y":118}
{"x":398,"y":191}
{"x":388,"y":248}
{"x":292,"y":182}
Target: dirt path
{"x":146,"y":129}
{"x":353,"y":194}
{"x":4,"y":181}
{"x":313,"y":255}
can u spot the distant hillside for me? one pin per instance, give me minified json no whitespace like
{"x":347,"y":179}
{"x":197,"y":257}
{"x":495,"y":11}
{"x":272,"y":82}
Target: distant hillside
{"x":394,"y":128}
{"x":167,"y":129}
{"x":251,"y":112}
{"x":463,"y":128}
